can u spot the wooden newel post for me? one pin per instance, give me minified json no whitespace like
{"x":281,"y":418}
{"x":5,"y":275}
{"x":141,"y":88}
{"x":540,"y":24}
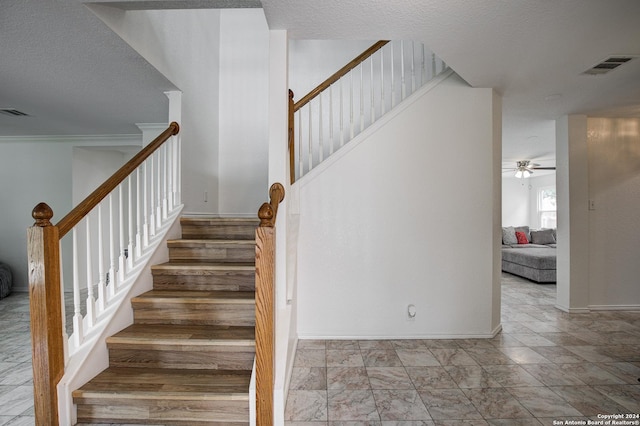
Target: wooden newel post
{"x":292,"y":148}
{"x":265,"y":306}
{"x":43,"y":251}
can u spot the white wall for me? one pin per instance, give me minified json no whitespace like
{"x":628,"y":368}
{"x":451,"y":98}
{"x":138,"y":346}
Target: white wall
{"x":389,"y":222}
{"x":286,"y":331}
{"x":614,"y":224}
{"x":30,"y":172}
{"x":184,"y":46}
{"x":573,"y":220}
{"x":535,"y":184}
{"x":515,"y":201}
{"x":243,"y":106}
{"x":35,"y":169}
{"x":313,"y":61}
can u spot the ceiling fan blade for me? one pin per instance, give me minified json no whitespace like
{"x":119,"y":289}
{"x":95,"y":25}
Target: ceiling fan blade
{"x":544,"y":168}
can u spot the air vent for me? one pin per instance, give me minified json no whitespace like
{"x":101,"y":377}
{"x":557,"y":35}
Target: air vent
{"x":609,"y":64}
{"x":12,"y":112}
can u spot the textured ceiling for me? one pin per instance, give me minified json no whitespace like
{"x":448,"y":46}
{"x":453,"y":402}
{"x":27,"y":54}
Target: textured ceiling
{"x":179,"y":4}
{"x":74,"y":76}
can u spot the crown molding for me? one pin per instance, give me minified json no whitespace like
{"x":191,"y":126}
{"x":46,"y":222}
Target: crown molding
{"x":82,"y":140}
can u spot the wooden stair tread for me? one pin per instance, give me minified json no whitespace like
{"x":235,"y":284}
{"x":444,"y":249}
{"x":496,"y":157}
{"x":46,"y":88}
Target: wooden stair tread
{"x":214,"y":221}
{"x":162,"y":383}
{"x":195,"y":296}
{"x":174,"y":267}
{"x":171,"y":334}
{"x":209,"y":243}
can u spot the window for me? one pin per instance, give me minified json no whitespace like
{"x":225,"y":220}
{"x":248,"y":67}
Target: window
{"x":547,"y":207}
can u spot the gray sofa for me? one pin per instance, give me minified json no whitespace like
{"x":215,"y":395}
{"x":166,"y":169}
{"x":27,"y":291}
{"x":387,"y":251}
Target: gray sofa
{"x":535,"y":259}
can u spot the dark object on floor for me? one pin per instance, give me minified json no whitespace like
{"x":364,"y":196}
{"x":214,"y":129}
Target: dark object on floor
{"x":5,"y":281}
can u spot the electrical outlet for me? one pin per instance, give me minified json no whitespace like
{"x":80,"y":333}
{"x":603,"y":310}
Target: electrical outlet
{"x":411,"y":313}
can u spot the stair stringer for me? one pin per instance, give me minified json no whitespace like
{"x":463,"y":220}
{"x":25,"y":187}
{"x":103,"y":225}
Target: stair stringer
{"x":93,"y":356}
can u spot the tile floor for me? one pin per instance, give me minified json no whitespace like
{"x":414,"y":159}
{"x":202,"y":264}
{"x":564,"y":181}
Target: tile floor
{"x":545,"y":365}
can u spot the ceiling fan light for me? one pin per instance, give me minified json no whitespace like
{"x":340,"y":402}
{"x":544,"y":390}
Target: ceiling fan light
{"x":526,"y":173}
{"x":519,"y":174}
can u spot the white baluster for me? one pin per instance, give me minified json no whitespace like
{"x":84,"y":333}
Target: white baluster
{"x":423,"y":73}
{"x":130,"y":224}
{"x":310,"y":139}
{"x":433,"y":65}
{"x":178,"y":170}
{"x":63,"y":308}
{"x":320,"y":136}
{"x":159,"y":191}
{"x":341,"y":116}
{"x":165,"y":185}
{"x":91,"y":301}
{"x":373,"y":104}
{"x":122,"y":259}
{"x":102,"y":293}
{"x":300,"y":156}
{"x":138,"y":225}
{"x":393,"y":79}
{"x":152,"y":199}
{"x":170,"y":171}
{"x":402,"y":80}
{"x":413,"y":68}
{"x":330,"y":119}
{"x":361,"y":98}
{"x":112,"y":280}
{"x":382,"y":100}
{"x":77,"y":315}
{"x":351,"y":106}
{"x":145,"y":206}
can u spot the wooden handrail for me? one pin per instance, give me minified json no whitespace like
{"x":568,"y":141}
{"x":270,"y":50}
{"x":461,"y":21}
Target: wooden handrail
{"x":265,"y":309}
{"x":295,"y":106}
{"x":340,"y":73}
{"x":81,"y":210}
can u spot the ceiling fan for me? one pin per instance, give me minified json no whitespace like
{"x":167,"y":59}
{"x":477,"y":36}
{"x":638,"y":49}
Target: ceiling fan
{"x":525,"y":168}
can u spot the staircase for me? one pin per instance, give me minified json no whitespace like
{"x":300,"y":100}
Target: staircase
{"x":187,"y":358}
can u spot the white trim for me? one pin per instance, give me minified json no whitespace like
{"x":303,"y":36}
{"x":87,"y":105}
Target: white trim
{"x":573,"y":310}
{"x":129,"y":139}
{"x":160,"y":127}
{"x":592,"y":308}
{"x":614,"y":307}
{"x":497,"y":330}
{"x":406,"y":337}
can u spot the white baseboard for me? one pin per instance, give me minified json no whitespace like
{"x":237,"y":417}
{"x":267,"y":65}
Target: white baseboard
{"x":599,"y":308}
{"x":406,"y":337}
{"x":496,"y":330}
{"x":614,"y":307}
{"x":573,"y":310}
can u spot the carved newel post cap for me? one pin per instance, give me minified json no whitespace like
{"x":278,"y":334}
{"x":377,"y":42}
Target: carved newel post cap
{"x":42,"y":213}
{"x":266,"y":215}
